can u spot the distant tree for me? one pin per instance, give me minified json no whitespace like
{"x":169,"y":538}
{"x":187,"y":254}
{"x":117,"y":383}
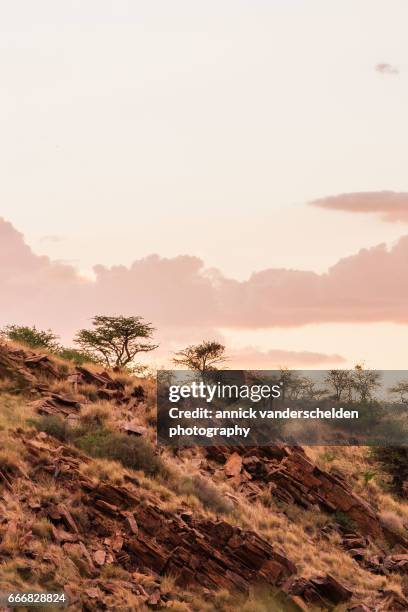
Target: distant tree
{"x":116,"y":340}
{"x":201,"y":357}
{"x":339,"y":380}
{"x":309,"y":389}
{"x":401,"y":389}
{"x":288,"y":380}
{"x":31,"y":336}
{"x":395,"y":461}
{"x":365,"y":382}
{"x":295,"y":387}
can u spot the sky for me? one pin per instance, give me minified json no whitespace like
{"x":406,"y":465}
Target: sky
{"x":206,"y":130}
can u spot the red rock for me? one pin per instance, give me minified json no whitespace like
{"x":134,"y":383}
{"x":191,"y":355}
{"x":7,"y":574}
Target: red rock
{"x":130,"y":519}
{"x":67,"y":518}
{"x":233,"y":465}
{"x":134,"y":429}
{"x":117,"y":543}
{"x":105,"y":507}
{"x":394,"y":601}
{"x":99,"y":557}
{"x":187,"y":516}
{"x":60,"y":535}
{"x":397,"y":563}
{"x":332,"y":589}
{"x":93,"y":593}
{"x":154,"y":598}
{"x":34,"y":504}
{"x":86,"y":554}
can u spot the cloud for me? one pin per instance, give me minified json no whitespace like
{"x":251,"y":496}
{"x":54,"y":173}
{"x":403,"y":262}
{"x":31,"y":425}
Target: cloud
{"x":387,"y":69}
{"x":184,"y":299}
{"x":251,"y":357}
{"x":391,"y":205}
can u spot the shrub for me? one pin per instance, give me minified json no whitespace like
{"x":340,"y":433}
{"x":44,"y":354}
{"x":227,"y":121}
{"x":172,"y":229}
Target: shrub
{"x":77,"y":356}
{"x":206,"y":492}
{"x":42,"y":529}
{"x":95,"y":415}
{"x":368,"y":475}
{"x":53,"y":426}
{"x":102,"y":443}
{"x":31,"y":336}
{"x":394,"y":460}
{"x":344,"y":520}
{"x":104,"y":469}
{"x":132,"y":452}
{"x":328,"y":456}
{"x":393,"y":521}
{"x":9,"y":461}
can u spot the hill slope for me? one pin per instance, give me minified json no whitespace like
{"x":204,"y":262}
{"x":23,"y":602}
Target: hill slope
{"x":90,"y":506}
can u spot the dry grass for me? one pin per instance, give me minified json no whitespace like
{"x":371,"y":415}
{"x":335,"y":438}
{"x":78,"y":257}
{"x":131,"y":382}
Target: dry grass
{"x":258,"y":600}
{"x":393,"y":521}
{"x":14,"y":412}
{"x":297,"y":534}
{"x":368,"y":480}
{"x":104,"y":470}
{"x":97,"y":414}
{"x":42,"y":528}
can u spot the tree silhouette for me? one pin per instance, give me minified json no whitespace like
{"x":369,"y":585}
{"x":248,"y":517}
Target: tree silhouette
{"x":201,"y":357}
{"x":116,"y":340}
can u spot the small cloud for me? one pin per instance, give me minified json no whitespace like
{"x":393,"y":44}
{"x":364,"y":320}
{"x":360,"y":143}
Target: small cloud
{"x":387,"y":69}
{"x":391,"y":205}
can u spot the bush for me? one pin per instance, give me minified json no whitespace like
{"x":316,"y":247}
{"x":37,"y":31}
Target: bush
{"x":53,"y":426}
{"x":394,"y":461}
{"x":394,"y":522}
{"x":100,"y":442}
{"x":76,"y":356}
{"x":207,"y":493}
{"x":42,"y":528}
{"x":104,"y":469}
{"x":344,"y":521}
{"x":31,"y":336}
{"x":132,"y":452}
{"x":95,"y":415}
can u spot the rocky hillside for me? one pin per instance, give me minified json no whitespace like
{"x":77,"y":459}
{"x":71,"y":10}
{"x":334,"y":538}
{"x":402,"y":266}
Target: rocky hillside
{"x":90,"y":506}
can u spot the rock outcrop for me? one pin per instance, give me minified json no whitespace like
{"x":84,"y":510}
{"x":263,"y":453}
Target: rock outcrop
{"x":292,"y":478}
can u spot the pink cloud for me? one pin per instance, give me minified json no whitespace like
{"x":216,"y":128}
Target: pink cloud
{"x":185,"y":300}
{"x":391,"y":205}
{"x":387,"y":69}
{"x":251,"y":357}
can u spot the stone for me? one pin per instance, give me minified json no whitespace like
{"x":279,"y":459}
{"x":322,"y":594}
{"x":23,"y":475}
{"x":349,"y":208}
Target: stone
{"x":233,"y":465}
{"x":130,"y":519}
{"x":99,"y":557}
{"x":133,"y":429}
{"x":331,"y":588}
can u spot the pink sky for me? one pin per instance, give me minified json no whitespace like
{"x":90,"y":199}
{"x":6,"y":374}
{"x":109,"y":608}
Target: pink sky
{"x":188,"y":302}
{"x":229,"y":169}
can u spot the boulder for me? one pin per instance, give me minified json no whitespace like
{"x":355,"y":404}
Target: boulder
{"x":233,"y":465}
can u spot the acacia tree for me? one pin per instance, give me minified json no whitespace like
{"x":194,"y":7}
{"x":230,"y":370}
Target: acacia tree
{"x":295,"y":387}
{"x":116,"y":340}
{"x":31,"y":336}
{"x":401,"y":389}
{"x":201,"y":357}
{"x":340,"y":381}
{"x":365,"y":382}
